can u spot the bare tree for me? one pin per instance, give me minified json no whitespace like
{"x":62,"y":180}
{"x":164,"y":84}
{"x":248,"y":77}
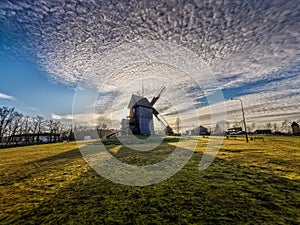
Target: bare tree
{"x":285,"y":126}
{"x":253,"y":127}
{"x":38,"y":126}
{"x":219,"y":128}
{"x":238,"y":123}
{"x":248,"y":128}
{"x":268,"y":126}
{"x":275,"y":127}
{"x":178,"y":124}
{"x":30,"y":129}
{"x":6,"y":117}
{"x":64,"y":130}
{"x":53,"y":127}
{"x":104,"y":126}
{"x":14,"y":126}
{"x":26,"y":128}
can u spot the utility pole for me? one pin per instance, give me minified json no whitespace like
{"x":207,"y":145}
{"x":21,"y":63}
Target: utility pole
{"x":244,"y":120}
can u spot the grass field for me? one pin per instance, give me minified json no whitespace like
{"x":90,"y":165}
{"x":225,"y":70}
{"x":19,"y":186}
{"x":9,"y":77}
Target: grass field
{"x":254,"y":183}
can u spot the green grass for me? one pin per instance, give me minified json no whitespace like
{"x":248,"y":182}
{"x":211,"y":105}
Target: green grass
{"x":254,"y":183}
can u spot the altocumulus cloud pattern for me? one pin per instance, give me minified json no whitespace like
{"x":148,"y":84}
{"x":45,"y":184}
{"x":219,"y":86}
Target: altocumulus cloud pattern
{"x":250,"y":46}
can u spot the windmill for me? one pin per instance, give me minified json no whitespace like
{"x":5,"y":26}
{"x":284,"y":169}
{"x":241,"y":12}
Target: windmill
{"x":141,"y":115}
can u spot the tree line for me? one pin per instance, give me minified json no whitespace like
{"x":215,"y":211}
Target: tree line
{"x":13,"y":123}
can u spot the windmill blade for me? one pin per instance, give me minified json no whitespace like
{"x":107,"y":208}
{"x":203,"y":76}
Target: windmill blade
{"x":157,"y":96}
{"x":161,"y":119}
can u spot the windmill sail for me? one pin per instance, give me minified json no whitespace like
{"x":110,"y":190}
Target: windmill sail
{"x":157,"y":96}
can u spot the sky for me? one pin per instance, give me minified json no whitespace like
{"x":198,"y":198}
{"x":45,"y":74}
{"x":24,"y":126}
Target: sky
{"x":84,"y":59}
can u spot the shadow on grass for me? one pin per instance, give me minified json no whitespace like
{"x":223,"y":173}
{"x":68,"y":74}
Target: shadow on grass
{"x":224,"y":193}
{"x":24,"y":171}
{"x":71,"y":154}
{"x":131,"y":139}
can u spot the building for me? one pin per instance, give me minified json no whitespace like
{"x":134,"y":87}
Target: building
{"x":82,"y":135}
{"x":295,"y":128}
{"x":200,"y":131}
{"x":105,"y":132}
{"x":263,"y":131}
{"x":125,"y":127}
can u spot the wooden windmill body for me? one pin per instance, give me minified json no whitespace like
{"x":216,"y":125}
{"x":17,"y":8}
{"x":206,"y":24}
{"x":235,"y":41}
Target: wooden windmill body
{"x":141,"y":115}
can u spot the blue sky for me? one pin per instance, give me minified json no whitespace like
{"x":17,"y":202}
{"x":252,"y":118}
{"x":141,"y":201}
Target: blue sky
{"x":246,"y":49}
{"x":31,"y":90}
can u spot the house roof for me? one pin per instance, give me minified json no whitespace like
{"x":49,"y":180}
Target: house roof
{"x":201,"y":128}
{"x":137,"y":100}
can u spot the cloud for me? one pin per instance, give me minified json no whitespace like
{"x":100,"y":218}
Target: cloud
{"x":87,"y":119}
{"x":234,"y":37}
{"x":117,"y":46}
{"x":6,"y":97}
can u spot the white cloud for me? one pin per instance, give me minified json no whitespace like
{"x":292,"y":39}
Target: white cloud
{"x":6,"y":97}
{"x":234,"y":37}
{"x":88,"y":119}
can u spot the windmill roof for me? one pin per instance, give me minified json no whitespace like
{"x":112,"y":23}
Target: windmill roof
{"x":137,"y":100}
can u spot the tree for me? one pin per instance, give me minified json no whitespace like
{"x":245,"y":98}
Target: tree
{"x":248,"y":128}
{"x":6,"y":117}
{"x":253,"y":127}
{"x":285,"y":126}
{"x":238,"y":123}
{"x":38,"y":126}
{"x":268,"y":126}
{"x":220,"y":128}
{"x":71,"y":135}
{"x":30,"y":129}
{"x":26,"y":128}
{"x":50,"y":126}
{"x":53,"y":127}
{"x":15,"y":126}
{"x":275,"y":127}
{"x":178,"y":124}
